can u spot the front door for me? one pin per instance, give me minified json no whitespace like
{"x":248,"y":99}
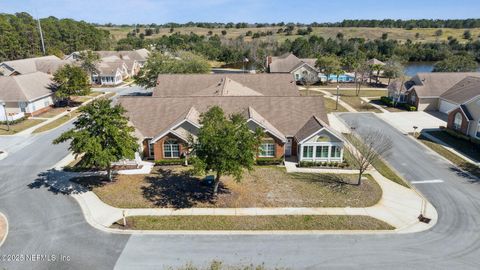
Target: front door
{"x":288,"y":148}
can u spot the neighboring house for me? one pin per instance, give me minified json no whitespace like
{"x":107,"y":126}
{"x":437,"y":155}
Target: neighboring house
{"x":462,"y":104}
{"x":375,"y":61}
{"x":294,"y":126}
{"x":110,"y":73}
{"x":424,"y":89}
{"x":299,"y":67}
{"x":347,"y":77}
{"x":116,"y":66}
{"x":27,"y":94}
{"x":46,"y":64}
{"x":225,"y":85}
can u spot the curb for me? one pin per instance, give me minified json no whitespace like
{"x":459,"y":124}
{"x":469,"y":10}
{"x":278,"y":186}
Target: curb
{"x":4,"y":237}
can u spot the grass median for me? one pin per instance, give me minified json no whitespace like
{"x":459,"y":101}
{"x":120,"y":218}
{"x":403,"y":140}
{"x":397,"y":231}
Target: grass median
{"x":253,"y":223}
{"x":25,"y":124}
{"x":58,"y":122}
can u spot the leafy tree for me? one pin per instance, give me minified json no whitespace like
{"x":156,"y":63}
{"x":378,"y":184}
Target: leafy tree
{"x":88,"y":60}
{"x":467,"y":34}
{"x":439,"y":33}
{"x":328,"y":65}
{"x":159,"y":63}
{"x":384,"y":36}
{"x":70,"y":81}
{"x":225,"y":145}
{"x":456,"y":63}
{"x":102,"y":135}
{"x":393,"y":69}
{"x":224,"y":32}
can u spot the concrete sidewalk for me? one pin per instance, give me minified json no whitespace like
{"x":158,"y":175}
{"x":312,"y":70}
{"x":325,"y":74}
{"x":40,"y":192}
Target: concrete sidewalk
{"x":399,"y":206}
{"x":367,"y":100}
{"x":334,"y":98}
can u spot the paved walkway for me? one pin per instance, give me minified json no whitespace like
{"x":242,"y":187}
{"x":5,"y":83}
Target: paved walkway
{"x":334,"y":98}
{"x":367,"y":100}
{"x":399,"y":206}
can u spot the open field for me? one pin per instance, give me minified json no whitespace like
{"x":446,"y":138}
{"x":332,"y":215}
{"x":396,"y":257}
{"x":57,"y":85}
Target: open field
{"x":265,"y":186}
{"x":425,"y":34}
{"x":20,"y":126}
{"x":254,"y":223}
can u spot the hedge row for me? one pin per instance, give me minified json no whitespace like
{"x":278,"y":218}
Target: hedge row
{"x":269,"y":161}
{"x":389,"y":102}
{"x":323,"y":164}
{"x":174,"y":161}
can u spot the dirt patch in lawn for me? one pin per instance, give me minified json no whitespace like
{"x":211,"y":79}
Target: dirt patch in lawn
{"x":253,"y":223}
{"x":263,"y":187}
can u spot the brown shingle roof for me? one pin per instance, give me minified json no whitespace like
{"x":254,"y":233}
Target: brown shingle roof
{"x":436,"y":83}
{"x":152,"y":115}
{"x":375,"y":61}
{"x":463,"y":91}
{"x":169,"y":85}
{"x":25,"y":87}
{"x":28,"y":65}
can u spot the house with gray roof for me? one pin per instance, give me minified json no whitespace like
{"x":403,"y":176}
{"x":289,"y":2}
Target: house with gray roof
{"x":424,"y":89}
{"x":25,"y":94}
{"x":462,"y":104}
{"x":300,"y":68}
{"x":295,"y":126}
{"x":46,"y":64}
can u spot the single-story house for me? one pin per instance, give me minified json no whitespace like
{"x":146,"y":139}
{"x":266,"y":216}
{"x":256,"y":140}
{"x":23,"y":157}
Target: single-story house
{"x":46,"y":64}
{"x":462,"y":104}
{"x":27,"y":94}
{"x":347,"y":77}
{"x":300,"y":67}
{"x":424,"y":89}
{"x":262,"y":84}
{"x":140,"y":56}
{"x":294,"y":126}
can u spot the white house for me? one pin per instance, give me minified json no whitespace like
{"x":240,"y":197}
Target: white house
{"x":27,"y":94}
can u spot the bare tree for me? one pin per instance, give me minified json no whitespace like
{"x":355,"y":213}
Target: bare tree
{"x":367,"y":149}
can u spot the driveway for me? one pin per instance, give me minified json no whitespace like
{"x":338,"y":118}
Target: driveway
{"x":42,"y":222}
{"x":405,"y":121}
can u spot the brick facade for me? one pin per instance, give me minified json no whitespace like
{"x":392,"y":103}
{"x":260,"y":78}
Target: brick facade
{"x":409,"y":98}
{"x":451,"y":118}
{"x":158,"y":147}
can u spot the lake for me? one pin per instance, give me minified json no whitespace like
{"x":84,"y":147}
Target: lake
{"x":412,"y":68}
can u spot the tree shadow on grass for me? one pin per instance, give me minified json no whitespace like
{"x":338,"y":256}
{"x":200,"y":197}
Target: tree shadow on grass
{"x":179,"y":190}
{"x":467,"y":171}
{"x":332,"y":181}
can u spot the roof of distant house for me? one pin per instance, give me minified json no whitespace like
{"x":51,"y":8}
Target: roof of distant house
{"x":138,"y":55}
{"x":25,"y":87}
{"x":375,"y":61}
{"x":109,"y":68}
{"x":436,"y":83}
{"x":463,"y":91}
{"x":29,"y":65}
{"x":286,"y":63}
{"x":284,"y":115}
{"x":225,"y":85}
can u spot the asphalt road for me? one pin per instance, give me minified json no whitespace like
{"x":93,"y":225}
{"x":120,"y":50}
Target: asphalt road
{"x":45,"y":223}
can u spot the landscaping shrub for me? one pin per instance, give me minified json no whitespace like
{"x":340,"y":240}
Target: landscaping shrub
{"x":323,"y":164}
{"x":166,"y":162}
{"x":387,"y":101}
{"x":269,"y":161}
{"x":409,"y":107}
{"x":14,"y":122}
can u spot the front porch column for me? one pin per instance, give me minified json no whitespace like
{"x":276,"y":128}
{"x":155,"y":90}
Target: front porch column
{"x":329,"y":153}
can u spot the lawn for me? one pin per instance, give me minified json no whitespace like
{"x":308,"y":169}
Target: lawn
{"x":254,"y":223}
{"x":58,"y":122}
{"x":356,"y":102}
{"x":329,"y":103}
{"x":28,"y":123}
{"x":455,"y":159}
{"x":265,"y":186}
{"x":363,"y":93}
{"x":390,"y":109}
{"x":52,"y":112}
{"x":465,"y":147}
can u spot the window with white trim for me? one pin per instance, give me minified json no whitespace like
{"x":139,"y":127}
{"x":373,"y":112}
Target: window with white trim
{"x":457,"y":122}
{"x":308,"y":151}
{"x":335,"y":152}
{"x":267,"y":150}
{"x":321,"y":151}
{"x":171,"y":149}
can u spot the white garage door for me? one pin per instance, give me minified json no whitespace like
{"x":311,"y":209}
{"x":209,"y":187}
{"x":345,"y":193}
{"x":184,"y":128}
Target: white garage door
{"x":446,"y":106}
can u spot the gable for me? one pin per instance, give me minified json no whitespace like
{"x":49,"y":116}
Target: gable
{"x":323,"y":135}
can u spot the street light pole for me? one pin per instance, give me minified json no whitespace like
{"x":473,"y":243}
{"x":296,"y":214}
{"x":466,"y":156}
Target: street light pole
{"x":336,"y":103}
{"x":6,"y":116}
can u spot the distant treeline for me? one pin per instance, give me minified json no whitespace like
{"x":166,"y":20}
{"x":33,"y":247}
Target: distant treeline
{"x":20,"y":37}
{"x":387,"y":23}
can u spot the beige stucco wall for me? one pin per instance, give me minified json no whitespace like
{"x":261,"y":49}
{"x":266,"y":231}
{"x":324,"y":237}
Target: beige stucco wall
{"x":474,"y":109}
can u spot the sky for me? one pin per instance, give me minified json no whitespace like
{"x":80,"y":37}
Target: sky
{"x":304,"y":11}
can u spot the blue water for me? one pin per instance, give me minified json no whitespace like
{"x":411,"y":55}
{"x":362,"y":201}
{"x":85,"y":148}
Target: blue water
{"x":412,"y":68}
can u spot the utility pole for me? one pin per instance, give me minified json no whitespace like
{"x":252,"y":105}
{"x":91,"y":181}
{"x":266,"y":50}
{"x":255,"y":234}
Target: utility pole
{"x":41,"y":35}
{"x":4,"y":105}
{"x":336,"y":103}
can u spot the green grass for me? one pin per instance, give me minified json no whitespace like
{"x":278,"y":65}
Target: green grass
{"x":363,"y":93}
{"x":256,"y":223}
{"x":463,"y":146}
{"x":20,"y":126}
{"x":58,"y":122}
{"x":452,"y":157}
{"x":328,"y":103}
